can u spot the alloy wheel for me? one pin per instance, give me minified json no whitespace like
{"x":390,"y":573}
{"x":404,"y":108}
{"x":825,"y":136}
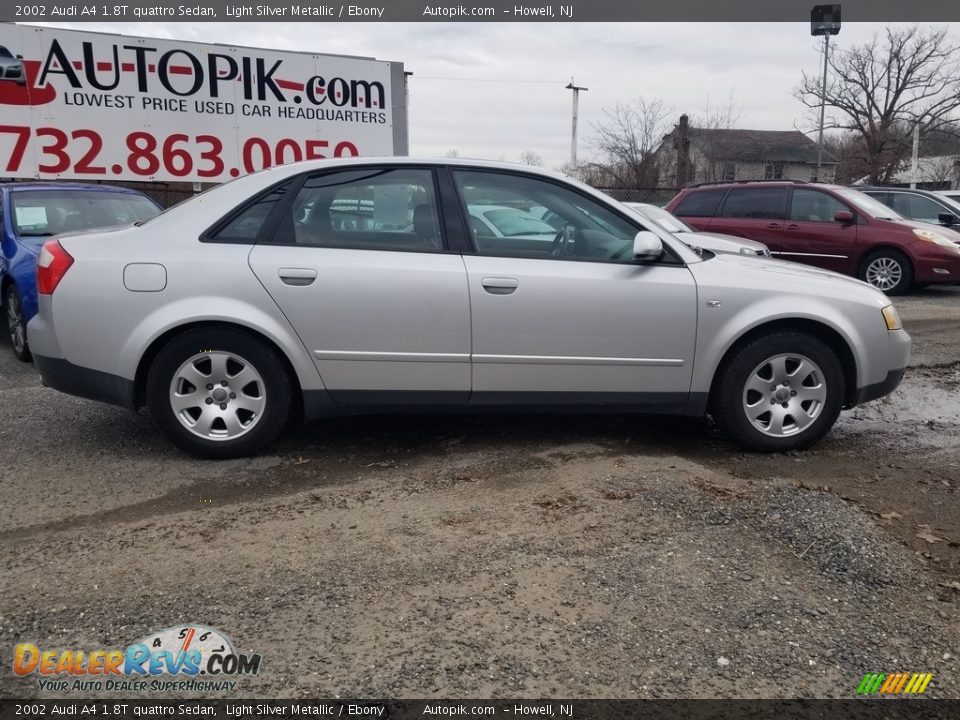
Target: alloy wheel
{"x":884,"y":273}
{"x":218,"y":395}
{"x":784,"y":394}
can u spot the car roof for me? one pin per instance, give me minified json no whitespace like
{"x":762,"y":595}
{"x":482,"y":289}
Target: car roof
{"x":881,"y":188}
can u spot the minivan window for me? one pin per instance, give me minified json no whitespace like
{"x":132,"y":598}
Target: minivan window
{"x":814,"y":206}
{"x":703,"y":203}
{"x":756,"y":203}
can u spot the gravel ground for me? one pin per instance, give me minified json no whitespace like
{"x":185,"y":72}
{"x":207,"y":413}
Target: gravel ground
{"x":572,"y":556}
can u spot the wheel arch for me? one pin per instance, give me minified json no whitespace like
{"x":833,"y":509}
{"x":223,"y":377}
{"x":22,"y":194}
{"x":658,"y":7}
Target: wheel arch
{"x":153,"y":349}
{"x":823,"y":332}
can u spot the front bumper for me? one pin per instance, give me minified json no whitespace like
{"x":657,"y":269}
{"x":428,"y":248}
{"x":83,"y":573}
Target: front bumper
{"x":880,"y":389}
{"x":66,"y":377}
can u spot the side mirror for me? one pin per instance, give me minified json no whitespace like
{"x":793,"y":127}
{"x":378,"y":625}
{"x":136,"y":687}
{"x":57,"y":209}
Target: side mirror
{"x":947,"y":219}
{"x":843,"y":216}
{"x":647,"y":246}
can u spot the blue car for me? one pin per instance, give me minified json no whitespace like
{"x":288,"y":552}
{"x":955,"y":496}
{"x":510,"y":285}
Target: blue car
{"x":30,"y":213}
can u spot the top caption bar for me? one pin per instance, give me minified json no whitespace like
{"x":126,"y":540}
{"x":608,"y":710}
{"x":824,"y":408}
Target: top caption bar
{"x":475,"y":11}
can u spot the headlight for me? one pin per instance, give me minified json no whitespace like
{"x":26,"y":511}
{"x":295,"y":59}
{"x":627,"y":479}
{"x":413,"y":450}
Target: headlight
{"x":892,"y":318}
{"x":935,"y":237}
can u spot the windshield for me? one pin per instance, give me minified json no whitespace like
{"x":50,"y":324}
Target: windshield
{"x":511,"y":222}
{"x":663,"y":218}
{"x":4,"y":53}
{"x":40,"y":213}
{"x":869,"y":205}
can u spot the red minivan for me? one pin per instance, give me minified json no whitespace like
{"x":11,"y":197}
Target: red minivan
{"x":837,"y":228}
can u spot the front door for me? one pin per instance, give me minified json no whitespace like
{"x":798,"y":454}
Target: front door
{"x":572,"y":319}
{"x":811,"y":235}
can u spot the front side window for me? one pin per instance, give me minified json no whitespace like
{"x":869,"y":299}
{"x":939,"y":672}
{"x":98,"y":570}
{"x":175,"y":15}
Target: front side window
{"x":814,"y":206}
{"x":371,"y":209}
{"x":756,"y":203}
{"x":588,"y":230}
{"x":917,"y":207}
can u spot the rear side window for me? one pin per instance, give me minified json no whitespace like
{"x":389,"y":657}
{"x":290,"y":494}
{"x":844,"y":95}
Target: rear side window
{"x":700,"y":204}
{"x":367,"y":209}
{"x":246,"y":225}
{"x":756,"y":203}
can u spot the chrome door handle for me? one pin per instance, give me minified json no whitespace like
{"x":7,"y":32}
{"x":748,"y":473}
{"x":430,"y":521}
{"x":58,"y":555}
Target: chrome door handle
{"x":297,"y":277}
{"x":499,"y":285}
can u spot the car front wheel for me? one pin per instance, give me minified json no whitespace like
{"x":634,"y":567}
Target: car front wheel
{"x":779,"y":392}
{"x":887,"y":270}
{"x":219,"y":393}
{"x":17,"y":325}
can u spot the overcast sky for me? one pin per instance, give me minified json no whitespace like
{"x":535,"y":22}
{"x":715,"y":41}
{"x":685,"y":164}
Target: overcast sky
{"x":494,"y":90}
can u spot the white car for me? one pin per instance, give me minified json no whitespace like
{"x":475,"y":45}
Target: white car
{"x":714,"y":242}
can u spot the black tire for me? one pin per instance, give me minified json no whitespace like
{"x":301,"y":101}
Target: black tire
{"x":16,"y":326}
{"x":730,"y":397}
{"x":275,"y":389}
{"x":896,"y":261}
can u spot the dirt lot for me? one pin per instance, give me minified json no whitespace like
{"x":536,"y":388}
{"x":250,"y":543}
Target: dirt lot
{"x":502,"y":556}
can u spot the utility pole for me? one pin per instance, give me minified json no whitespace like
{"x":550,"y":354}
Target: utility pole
{"x":824,"y":20}
{"x":573,"y":133}
{"x":916,"y":152}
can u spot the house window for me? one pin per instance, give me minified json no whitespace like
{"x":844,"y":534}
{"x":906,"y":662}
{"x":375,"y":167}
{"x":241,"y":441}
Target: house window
{"x":729,"y":171}
{"x":773,"y":171}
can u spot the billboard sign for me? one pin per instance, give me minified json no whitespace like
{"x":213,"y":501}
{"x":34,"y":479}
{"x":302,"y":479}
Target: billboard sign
{"x":93,"y":106}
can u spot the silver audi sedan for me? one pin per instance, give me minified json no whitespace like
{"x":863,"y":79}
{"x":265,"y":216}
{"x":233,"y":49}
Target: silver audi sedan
{"x":359,"y":285}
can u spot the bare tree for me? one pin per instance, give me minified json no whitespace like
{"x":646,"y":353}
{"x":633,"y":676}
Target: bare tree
{"x":882,"y":89}
{"x":626,"y":140}
{"x":452,"y":153}
{"x":529,"y":157}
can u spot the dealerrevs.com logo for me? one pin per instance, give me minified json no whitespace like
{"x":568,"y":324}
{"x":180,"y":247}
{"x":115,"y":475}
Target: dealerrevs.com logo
{"x":179,"y":658}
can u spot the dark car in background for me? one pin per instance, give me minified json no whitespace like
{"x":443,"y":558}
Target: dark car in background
{"x":832,"y":227}
{"x":30,"y":214}
{"x":919,"y":205}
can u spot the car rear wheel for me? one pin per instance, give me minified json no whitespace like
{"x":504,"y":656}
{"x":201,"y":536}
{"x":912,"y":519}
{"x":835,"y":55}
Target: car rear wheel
{"x":887,"y":270}
{"x":17,"y":325}
{"x":219,"y":393}
{"x":779,"y":392}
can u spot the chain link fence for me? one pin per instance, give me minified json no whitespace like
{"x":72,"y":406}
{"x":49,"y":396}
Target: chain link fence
{"x":654,"y":196}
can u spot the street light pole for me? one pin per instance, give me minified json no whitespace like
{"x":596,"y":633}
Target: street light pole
{"x":824,"y":20}
{"x":823,"y":104}
{"x":573,"y":132}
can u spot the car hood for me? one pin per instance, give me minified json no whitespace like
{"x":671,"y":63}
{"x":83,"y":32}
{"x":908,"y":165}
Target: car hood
{"x":718,"y":242}
{"x":951,"y":235}
{"x":781,"y":275}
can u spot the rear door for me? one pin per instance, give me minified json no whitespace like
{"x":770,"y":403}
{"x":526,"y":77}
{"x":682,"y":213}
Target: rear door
{"x":358,"y":264}
{"x":755,"y":213}
{"x":813,"y":237}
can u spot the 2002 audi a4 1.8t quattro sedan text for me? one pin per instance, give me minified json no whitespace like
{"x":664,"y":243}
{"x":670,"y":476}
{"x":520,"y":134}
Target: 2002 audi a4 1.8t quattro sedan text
{"x":328,"y":287}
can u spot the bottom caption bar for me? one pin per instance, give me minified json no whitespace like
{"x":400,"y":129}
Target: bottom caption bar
{"x":893,"y":709}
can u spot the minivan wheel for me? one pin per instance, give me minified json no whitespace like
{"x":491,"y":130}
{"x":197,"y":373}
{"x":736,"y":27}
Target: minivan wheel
{"x":887,"y":270}
{"x":17,"y":325}
{"x":779,"y":392}
{"x":219,"y":393}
